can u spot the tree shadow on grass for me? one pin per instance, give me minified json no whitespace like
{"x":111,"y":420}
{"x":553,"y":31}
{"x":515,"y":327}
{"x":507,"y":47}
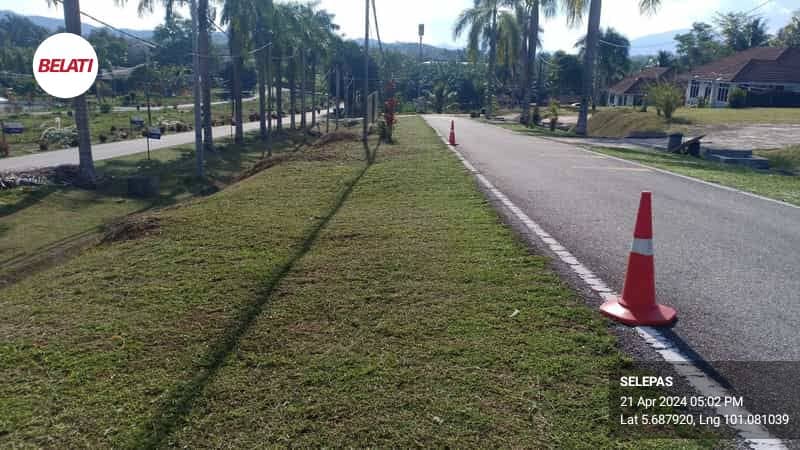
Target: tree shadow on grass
{"x":179,"y":403}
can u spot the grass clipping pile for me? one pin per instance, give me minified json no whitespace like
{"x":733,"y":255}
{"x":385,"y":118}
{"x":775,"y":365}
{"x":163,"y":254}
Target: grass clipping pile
{"x":131,"y":228}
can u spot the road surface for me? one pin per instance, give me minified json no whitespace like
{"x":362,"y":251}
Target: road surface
{"x":117,"y":149}
{"x":728,"y":262}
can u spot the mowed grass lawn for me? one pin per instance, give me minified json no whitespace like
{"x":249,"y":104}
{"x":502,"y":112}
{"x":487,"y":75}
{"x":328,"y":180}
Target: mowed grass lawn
{"x":625,"y":121}
{"x":313,"y":304}
{"x":771,"y":184}
{"x":37,"y":222}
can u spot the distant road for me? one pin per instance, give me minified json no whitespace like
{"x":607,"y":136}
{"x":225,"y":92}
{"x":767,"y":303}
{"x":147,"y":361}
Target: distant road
{"x":116,"y":149}
{"x":181,"y":106}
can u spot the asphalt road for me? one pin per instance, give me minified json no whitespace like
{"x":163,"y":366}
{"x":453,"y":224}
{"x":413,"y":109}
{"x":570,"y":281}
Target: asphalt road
{"x":117,"y":149}
{"x":729,"y":263}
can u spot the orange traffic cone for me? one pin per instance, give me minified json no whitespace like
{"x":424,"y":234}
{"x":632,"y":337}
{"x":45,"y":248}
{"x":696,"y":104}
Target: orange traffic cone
{"x":638,"y":303}
{"x":452,"y":140}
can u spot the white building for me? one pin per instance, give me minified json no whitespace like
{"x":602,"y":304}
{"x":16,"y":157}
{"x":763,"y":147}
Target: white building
{"x":632,"y":90}
{"x":770,"y":75}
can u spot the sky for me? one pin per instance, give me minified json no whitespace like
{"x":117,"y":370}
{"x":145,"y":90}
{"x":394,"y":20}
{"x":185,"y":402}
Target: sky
{"x":398,"y":20}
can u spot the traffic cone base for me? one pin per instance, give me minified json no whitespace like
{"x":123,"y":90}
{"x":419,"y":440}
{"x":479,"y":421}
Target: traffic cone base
{"x":656,"y":316}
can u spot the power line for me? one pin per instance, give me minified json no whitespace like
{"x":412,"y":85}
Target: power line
{"x":107,"y":25}
{"x":759,"y":7}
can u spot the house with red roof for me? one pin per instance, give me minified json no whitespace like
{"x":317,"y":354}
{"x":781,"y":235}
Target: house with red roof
{"x":770,"y":76}
{"x":632,"y":90}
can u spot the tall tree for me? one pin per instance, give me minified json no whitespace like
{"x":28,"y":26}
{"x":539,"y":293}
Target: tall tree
{"x":789,"y":36}
{"x":481,"y":20}
{"x":741,"y":31}
{"x":575,"y":10}
{"x":240,"y":17}
{"x":204,"y":49}
{"x":613,"y":61}
{"x":699,"y":46}
{"x":531,"y":12}
{"x":86,"y":173}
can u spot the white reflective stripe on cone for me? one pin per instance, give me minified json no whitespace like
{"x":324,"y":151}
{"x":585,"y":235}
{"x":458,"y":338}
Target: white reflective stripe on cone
{"x":643,"y":247}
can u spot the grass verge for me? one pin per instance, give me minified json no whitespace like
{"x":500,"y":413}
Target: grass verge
{"x":43,"y":222}
{"x":314,"y":304}
{"x":769,"y":184}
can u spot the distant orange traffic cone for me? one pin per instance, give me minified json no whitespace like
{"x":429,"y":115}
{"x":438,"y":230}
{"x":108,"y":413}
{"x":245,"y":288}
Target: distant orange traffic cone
{"x":638,"y":303}
{"x":452,"y":140}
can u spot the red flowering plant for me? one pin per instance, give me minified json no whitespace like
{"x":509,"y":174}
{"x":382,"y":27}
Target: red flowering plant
{"x":389,"y":119}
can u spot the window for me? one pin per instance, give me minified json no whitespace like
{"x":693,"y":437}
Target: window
{"x":707,"y":93}
{"x":722,"y":92}
{"x":694,"y":90}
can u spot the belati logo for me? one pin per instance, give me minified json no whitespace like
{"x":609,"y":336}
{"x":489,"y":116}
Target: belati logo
{"x":65,"y":65}
{"x":61,"y":65}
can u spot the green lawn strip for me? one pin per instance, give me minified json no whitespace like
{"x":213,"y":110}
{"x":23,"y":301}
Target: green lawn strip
{"x":770,"y":184}
{"x":396,"y":330}
{"x":533,"y":131}
{"x":787,"y":159}
{"x":621,"y":121}
{"x":33,"y":219}
{"x":92,"y":351}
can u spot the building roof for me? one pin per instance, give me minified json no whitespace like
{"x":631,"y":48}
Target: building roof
{"x":635,"y":84}
{"x":755,"y":65}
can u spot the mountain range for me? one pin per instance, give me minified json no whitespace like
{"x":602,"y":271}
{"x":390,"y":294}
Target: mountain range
{"x":645,"y":45}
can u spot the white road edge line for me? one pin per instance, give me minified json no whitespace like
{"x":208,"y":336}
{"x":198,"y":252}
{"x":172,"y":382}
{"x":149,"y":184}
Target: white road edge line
{"x":756,"y":436}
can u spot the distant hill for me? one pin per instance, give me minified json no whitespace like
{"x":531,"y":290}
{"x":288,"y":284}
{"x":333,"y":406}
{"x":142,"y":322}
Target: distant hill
{"x":653,"y":43}
{"x":429,"y":52}
{"x":52,"y":24}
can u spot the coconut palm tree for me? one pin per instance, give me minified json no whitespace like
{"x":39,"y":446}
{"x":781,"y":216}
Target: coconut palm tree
{"x":530,"y":13}
{"x":575,"y":10}
{"x":482,"y":22}
{"x":86,"y":173}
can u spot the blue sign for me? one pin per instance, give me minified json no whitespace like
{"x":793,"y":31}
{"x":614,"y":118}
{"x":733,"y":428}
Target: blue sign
{"x":154,"y":133}
{"x":13,"y":128}
{"x":137,"y":121}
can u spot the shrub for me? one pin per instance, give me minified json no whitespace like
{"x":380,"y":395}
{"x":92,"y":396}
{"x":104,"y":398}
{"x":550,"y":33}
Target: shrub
{"x":44,"y":145}
{"x":4,"y":148}
{"x":103,"y":138}
{"x":537,"y":115}
{"x":474,"y":114}
{"x":737,"y":98}
{"x":665,"y":97}
{"x":105,"y":108}
{"x":553,"y":115}
{"x":702,"y":102}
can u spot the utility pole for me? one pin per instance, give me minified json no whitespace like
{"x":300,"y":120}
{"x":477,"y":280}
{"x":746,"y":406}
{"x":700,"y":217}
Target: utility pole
{"x":366,"y":80}
{"x":198,"y":126}
{"x":419,"y":59}
{"x":338,"y":95}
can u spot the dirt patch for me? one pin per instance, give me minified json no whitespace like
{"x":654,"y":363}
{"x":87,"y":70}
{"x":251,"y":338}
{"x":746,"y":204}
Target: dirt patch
{"x":132,"y":227}
{"x":336,"y":136}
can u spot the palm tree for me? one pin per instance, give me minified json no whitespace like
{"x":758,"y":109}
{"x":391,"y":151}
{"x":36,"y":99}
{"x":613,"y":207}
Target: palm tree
{"x":86,"y":173}
{"x":240,"y":16}
{"x":531,"y":12}
{"x":481,"y":20}
{"x":575,"y":10}
{"x":204,"y":50}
